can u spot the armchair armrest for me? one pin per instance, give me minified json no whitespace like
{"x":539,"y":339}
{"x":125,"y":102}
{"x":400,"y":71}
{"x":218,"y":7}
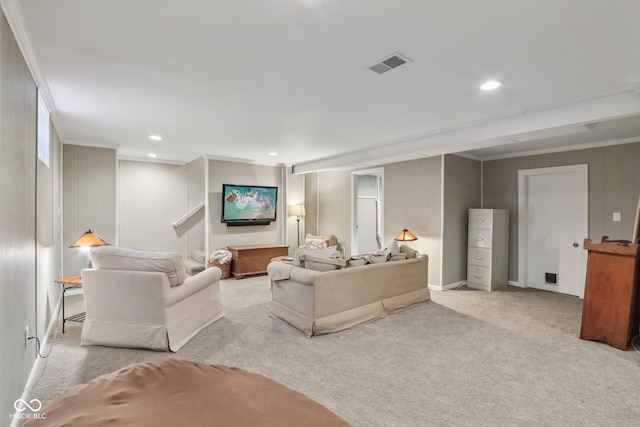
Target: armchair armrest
{"x":192,"y":285}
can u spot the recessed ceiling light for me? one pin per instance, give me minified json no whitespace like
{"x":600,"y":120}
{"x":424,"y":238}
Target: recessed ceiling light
{"x":491,"y":85}
{"x":273,"y":153}
{"x":155,"y":137}
{"x":153,"y":155}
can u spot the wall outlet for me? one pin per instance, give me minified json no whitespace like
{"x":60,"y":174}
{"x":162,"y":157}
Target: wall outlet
{"x":616,"y":216}
{"x":26,"y":335}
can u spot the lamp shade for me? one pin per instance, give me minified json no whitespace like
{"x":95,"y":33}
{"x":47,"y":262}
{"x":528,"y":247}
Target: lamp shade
{"x":89,"y":238}
{"x":295,"y":210}
{"x":405,"y":236}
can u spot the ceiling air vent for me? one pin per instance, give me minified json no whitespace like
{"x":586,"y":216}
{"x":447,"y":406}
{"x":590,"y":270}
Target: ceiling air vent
{"x":389,"y":63}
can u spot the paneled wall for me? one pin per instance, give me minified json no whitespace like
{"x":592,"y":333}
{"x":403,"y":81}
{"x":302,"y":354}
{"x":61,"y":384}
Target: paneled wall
{"x":295,"y":194}
{"x":334,"y":206}
{"x":224,"y":172}
{"x":89,"y":200}
{"x":413,"y":200}
{"x":614,"y":186}
{"x":17,"y":220}
{"x":461,"y":192}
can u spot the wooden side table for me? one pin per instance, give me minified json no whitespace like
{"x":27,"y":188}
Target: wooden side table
{"x":610,"y":309}
{"x":71,"y":282}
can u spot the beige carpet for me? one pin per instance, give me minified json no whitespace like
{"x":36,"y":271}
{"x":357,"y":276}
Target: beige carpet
{"x":466,"y":358}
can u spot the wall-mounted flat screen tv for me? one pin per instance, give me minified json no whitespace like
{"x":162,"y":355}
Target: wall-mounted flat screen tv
{"x":248,"y":204}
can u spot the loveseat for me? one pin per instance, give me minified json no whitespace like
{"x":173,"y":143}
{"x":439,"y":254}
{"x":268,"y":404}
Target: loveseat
{"x":144,"y":299}
{"x":321,"y":302}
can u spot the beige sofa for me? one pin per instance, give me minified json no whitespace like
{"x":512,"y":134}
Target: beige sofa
{"x":321,"y":302}
{"x":144,"y":299}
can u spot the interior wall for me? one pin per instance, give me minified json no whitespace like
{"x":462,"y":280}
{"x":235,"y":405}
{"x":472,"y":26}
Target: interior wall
{"x":311,"y":202}
{"x":413,"y":200}
{"x":614,"y":186}
{"x":225,"y":172}
{"x":195,"y":226}
{"x":295,"y":194}
{"x":89,"y":200}
{"x":334,"y":207}
{"x":48,"y":230}
{"x":151,"y":197}
{"x":18,"y":242}
{"x":462,"y":191}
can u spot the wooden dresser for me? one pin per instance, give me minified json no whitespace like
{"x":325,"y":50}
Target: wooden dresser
{"x":610,"y":311}
{"x":253,"y":259}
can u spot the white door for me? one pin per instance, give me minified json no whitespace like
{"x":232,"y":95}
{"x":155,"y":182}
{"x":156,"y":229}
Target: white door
{"x":553,"y":222}
{"x":367,"y":225}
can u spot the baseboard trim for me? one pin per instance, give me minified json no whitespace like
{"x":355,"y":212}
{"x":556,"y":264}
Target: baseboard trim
{"x":514,"y":283}
{"x":33,"y":375}
{"x":448,"y":287}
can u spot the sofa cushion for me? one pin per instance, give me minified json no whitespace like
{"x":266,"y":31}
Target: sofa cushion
{"x":322,"y":253}
{"x":312,"y":262}
{"x":117,"y":258}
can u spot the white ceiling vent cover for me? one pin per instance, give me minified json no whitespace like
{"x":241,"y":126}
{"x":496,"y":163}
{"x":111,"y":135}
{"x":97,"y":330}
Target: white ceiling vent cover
{"x":389,"y":63}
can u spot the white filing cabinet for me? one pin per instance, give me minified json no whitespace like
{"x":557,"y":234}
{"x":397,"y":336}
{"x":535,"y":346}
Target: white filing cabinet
{"x":488,"y":249}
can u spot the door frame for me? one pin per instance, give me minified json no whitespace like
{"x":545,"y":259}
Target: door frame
{"x":523,"y":203}
{"x":354,"y":203}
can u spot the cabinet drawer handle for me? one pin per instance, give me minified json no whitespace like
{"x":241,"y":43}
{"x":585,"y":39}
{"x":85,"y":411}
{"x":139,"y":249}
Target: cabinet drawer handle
{"x":479,"y":220}
{"x":477,"y":276}
{"x":479,"y":239}
{"x":479,"y":258}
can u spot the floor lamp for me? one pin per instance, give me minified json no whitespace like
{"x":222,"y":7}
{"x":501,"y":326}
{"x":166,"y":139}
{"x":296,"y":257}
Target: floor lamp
{"x":297,"y":211}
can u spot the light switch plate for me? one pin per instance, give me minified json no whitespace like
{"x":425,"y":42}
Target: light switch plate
{"x":616,"y":216}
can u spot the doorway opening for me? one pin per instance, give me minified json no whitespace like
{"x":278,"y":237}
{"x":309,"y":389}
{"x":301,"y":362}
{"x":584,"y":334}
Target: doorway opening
{"x":367,"y":221}
{"x":552,"y":222}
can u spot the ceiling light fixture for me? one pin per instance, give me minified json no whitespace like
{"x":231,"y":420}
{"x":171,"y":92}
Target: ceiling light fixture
{"x":153,"y":155}
{"x":491,"y":85}
{"x":155,"y":137}
{"x":273,"y":153}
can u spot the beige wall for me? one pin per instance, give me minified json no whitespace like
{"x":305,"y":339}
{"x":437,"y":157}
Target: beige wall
{"x":89,"y":200}
{"x":413,"y":200}
{"x":17,"y":220}
{"x":461,"y":193}
{"x":614,"y":186}
{"x":151,"y":197}
{"x":195,"y":226}
{"x":334,"y":206}
{"x":295,"y":191}
{"x":224,"y":172}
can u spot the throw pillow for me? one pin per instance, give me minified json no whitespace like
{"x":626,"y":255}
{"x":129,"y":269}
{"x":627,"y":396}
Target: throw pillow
{"x":411,"y":253}
{"x":323,"y":253}
{"x":397,"y":257}
{"x":330,"y":238}
{"x":316,"y":244}
{"x":312,"y":262}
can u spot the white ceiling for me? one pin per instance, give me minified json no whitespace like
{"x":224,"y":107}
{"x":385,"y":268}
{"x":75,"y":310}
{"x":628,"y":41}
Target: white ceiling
{"x":240,"y":79}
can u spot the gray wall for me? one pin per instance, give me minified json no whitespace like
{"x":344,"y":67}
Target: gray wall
{"x":614,"y":186}
{"x":224,"y":172}
{"x":461,"y":193}
{"x":89,"y":200}
{"x":17,"y":220}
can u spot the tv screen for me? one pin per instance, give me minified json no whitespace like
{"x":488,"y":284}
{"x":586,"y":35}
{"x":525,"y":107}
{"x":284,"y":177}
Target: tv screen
{"x":248,"y":204}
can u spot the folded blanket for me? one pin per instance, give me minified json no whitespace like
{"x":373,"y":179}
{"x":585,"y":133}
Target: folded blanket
{"x":279,"y":271}
{"x":220,"y":255}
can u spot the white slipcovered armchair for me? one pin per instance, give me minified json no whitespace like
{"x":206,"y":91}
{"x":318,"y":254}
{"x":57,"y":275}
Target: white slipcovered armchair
{"x":144,"y":299}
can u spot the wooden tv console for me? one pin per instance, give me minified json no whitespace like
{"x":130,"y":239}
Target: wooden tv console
{"x":253,"y":259}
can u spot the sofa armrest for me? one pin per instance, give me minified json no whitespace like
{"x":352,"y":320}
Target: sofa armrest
{"x":192,"y":285}
{"x":303,"y":275}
